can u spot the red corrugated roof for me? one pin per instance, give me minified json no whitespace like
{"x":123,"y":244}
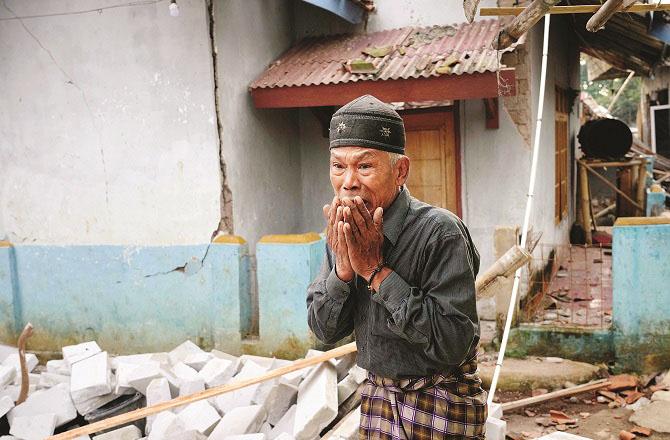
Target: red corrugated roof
{"x":417,"y":52}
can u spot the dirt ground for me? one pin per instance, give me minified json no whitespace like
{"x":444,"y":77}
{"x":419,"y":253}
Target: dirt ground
{"x":594,"y":420}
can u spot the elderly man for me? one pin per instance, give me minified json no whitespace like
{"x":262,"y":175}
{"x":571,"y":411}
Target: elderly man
{"x":400,"y":274}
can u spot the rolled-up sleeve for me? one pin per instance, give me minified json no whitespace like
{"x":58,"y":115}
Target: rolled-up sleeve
{"x":440,"y":314}
{"x":329,"y":304}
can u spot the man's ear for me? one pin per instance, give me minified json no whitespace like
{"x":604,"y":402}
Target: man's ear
{"x":402,"y":170}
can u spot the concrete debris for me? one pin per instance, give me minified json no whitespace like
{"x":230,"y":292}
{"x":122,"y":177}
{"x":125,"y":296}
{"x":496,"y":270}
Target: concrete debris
{"x":13,"y":361}
{"x":317,"y":402}
{"x":240,"y":420}
{"x":641,"y":403}
{"x":296,"y":406}
{"x":562,"y":436}
{"x":495,"y":429}
{"x":661,"y":395}
{"x":130,"y":432}
{"x":35,"y":427}
{"x":79,"y":352}
{"x":653,"y":416}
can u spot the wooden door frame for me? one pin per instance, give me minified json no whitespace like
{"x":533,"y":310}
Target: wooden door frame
{"x":416,"y":117}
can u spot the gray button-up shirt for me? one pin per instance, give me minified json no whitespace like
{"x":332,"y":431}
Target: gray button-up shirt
{"x":423,"y":320}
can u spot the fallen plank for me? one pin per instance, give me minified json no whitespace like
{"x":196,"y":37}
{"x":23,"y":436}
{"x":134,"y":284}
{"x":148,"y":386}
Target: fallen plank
{"x":576,"y":9}
{"x":202,"y":395}
{"x":602,"y":383}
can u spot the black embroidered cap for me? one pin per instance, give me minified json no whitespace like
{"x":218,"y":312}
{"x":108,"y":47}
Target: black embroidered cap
{"x":368,"y":122}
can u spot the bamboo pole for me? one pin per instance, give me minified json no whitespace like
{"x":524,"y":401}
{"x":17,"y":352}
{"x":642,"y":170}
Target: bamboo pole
{"x":202,"y":395}
{"x":576,"y":9}
{"x":529,"y":207}
{"x":585,"y":202}
{"x":641,"y":187}
{"x":606,"y":12}
{"x":511,"y":33}
{"x":618,"y":92}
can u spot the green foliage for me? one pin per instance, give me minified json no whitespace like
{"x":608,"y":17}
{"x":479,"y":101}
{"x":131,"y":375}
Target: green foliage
{"x":603,"y":91}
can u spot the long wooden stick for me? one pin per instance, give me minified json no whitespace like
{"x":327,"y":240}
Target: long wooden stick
{"x":576,"y":9}
{"x":606,"y":12}
{"x":522,"y":23}
{"x":608,"y":183}
{"x":595,"y":385}
{"x":25,"y":378}
{"x":202,"y":395}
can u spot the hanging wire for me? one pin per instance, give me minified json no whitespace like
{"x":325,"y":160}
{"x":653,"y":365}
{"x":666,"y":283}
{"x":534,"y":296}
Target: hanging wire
{"x":85,"y":11}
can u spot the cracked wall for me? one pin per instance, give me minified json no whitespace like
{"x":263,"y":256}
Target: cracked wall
{"x":108,"y":131}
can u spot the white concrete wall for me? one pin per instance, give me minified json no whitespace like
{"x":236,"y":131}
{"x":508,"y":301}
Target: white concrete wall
{"x":107,"y":127}
{"x":261,"y":148}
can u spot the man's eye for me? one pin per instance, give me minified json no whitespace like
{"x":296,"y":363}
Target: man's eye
{"x":337,"y":165}
{"x":364,"y":166}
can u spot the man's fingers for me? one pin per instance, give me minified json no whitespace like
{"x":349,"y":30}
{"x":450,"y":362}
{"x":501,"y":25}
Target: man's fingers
{"x":326,"y":212}
{"x":378,"y":217}
{"x":363,"y":211}
{"x":348,"y":219}
{"x":358,"y":219}
{"x":348,"y":235}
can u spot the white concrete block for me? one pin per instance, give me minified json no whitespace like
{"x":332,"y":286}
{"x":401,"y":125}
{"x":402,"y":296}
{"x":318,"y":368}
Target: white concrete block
{"x":257,"y":436}
{"x":495,"y":429}
{"x":5,"y":405}
{"x":188,"y":387}
{"x":199,"y":416}
{"x":243,"y":396}
{"x":495,"y":410}
{"x":184,"y":372}
{"x":240,"y":420}
{"x":294,"y":378}
{"x":7,"y":373}
{"x":58,"y":366}
{"x":279,"y":400}
{"x":86,"y":406}
{"x":166,"y":424}
{"x":48,"y":380}
{"x":265,"y":428}
{"x":129,"y":432}
{"x":54,"y":400}
{"x":13,"y":391}
{"x":139,"y":359}
{"x":285,"y":424}
{"x":217,"y":372}
{"x":223,"y":355}
{"x":33,"y":379}
{"x":317,"y":402}
{"x":265,"y":362}
{"x":182,"y":351}
{"x":140,"y":377}
{"x":344,"y":364}
{"x":197,"y":360}
{"x":36,"y":427}
{"x":157,"y":391}
{"x":91,"y":377}
{"x":284,"y":436}
{"x":79,"y":352}
{"x":13,"y":361}
{"x":346,"y":388}
{"x":191,"y":434}
{"x":347,"y":428}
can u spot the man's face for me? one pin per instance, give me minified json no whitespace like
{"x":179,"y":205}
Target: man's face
{"x":366,"y":172}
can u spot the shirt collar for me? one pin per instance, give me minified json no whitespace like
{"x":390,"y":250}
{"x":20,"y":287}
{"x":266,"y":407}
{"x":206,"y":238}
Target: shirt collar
{"x":394,"y":216}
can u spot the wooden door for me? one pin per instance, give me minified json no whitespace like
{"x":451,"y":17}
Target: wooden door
{"x":431,"y":144}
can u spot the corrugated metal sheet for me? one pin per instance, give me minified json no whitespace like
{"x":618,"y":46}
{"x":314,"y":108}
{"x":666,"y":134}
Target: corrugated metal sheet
{"x":417,"y":52}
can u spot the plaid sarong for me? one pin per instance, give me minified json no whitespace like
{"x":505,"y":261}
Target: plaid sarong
{"x":426,"y":408}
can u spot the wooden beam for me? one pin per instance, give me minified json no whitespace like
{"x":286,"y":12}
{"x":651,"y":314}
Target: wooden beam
{"x":577,"y":9}
{"x":608,"y":183}
{"x":511,"y":33}
{"x":591,"y":386}
{"x":606,"y":12}
{"x":491,"y":110}
{"x":440,"y":88}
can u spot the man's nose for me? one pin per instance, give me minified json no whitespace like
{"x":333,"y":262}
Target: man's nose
{"x":350,"y":180}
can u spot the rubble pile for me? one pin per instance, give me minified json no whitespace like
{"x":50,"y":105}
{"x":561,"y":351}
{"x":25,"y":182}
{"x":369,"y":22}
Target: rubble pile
{"x":88,"y":385}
